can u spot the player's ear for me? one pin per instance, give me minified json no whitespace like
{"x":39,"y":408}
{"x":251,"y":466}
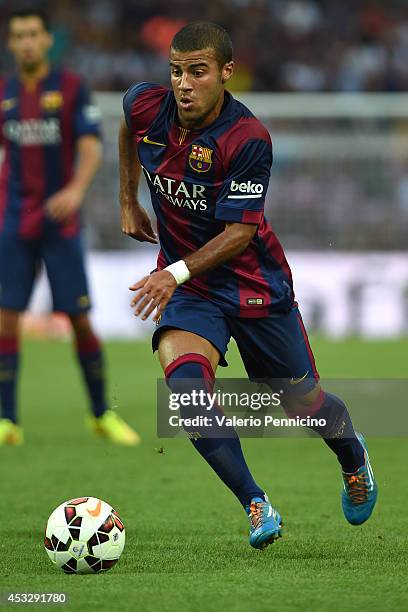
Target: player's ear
{"x":226,"y":72}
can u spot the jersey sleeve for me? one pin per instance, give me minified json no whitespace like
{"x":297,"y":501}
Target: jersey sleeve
{"x":241,"y":198}
{"x":87,"y":116}
{"x":141,"y":105}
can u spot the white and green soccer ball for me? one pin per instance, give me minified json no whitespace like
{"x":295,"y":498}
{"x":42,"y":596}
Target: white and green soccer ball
{"x":84,"y":535}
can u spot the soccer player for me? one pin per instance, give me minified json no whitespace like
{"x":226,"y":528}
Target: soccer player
{"x":221,"y":271}
{"x":47,"y":123}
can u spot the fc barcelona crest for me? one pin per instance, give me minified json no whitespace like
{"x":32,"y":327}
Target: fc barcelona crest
{"x":51,"y":101}
{"x":200,"y":158}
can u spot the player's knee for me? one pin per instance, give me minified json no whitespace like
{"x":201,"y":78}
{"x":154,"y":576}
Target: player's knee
{"x":305,"y":405}
{"x":175,"y":342}
{"x":9,"y":322}
{"x":189,"y":367}
{"x":81,"y":325}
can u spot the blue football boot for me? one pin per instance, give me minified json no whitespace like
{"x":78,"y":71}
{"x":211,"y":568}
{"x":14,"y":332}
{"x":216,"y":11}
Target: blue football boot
{"x":359,"y":491}
{"x":265,"y":523}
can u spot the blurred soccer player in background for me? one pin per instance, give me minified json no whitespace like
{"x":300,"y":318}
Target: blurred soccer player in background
{"x":221,"y":270}
{"x":51,"y":137}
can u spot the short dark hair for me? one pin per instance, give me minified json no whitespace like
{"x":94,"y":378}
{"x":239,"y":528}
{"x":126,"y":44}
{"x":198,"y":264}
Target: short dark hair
{"x":204,"y":35}
{"x":30,"y":12}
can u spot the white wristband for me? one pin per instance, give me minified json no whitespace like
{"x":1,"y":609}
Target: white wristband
{"x":180,"y":271}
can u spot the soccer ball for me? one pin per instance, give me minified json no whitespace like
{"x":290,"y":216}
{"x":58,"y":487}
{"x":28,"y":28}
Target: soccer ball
{"x":84,"y":536}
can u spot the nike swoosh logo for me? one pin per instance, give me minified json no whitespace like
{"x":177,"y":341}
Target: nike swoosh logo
{"x":96,"y":512}
{"x":152,"y":142}
{"x":296,"y":381}
{"x":270,"y":511}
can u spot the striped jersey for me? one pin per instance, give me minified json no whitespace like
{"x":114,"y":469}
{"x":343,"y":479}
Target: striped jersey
{"x":38,"y":131}
{"x":199,"y":181}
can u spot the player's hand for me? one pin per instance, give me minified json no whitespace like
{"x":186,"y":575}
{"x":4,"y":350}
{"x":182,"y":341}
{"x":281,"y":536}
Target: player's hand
{"x":64,"y":203}
{"x":153,"y":291}
{"x":136,"y":223}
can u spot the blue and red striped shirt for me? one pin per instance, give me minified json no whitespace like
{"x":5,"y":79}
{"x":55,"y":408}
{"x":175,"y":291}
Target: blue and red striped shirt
{"x":38,"y":130}
{"x":201,"y":180}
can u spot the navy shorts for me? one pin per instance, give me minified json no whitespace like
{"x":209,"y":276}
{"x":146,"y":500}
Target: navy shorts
{"x":275,"y":347}
{"x":20,"y":263}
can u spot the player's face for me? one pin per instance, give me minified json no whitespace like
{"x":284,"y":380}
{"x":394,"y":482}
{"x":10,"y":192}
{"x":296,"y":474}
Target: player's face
{"x":198,"y":84}
{"x":29,"y":42}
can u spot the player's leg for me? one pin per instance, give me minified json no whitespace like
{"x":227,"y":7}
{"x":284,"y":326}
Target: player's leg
{"x":10,"y":433}
{"x":189,"y":363}
{"x":104,"y":422}
{"x":90,"y":357}
{"x":338,"y":433}
{"x":18,"y":260}
{"x":64,"y":261}
{"x":359,"y":493}
{"x":288,"y":360}
{"x":191,"y":339}
{"x":88,"y":350}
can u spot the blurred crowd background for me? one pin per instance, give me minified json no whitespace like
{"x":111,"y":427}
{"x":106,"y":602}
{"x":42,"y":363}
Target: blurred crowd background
{"x":337,"y":184}
{"x":280,"y":45}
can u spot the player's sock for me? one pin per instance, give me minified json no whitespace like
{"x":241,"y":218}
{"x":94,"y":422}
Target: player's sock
{"x":9,"y":361}
{"x":338,"y":433}
{"x":90,"y":357}
{"x":224,"y":454}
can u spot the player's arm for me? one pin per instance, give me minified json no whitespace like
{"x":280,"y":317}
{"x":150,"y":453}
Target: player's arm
{"x":231,"y":242}
{"x":68,"y":200}
{"x":88,"y":150}
{"x":134,"y":219}
{"x":89,"y":155}
{"x":141,"y":104}
{"x":155,"y":290}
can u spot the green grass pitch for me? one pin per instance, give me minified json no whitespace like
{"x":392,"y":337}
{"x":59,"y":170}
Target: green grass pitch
{"x":187,"y":545}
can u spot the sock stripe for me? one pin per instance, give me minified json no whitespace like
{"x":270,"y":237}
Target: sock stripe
{"x":9,"y":353}
{"x":8,"y":345}
{"x":317,"y":404}
{"x":90,"y":358}
{"x":208,"y":373}
{"x":87,"y":345}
